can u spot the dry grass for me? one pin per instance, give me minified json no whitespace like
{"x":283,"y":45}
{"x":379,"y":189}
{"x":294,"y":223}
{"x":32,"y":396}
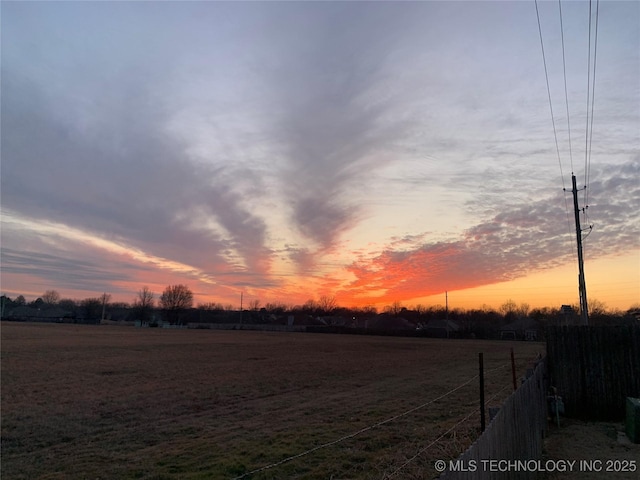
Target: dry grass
{"x":118,"y":402}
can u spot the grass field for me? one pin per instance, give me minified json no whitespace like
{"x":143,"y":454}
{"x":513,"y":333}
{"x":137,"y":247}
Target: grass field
{"x":103,"y":402}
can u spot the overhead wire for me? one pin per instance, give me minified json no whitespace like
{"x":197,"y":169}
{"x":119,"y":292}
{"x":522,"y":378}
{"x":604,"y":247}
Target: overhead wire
{"x":553,"y":122}
{"x":566,"y":95}
{"x":546,"y":75}
{"x":593,"y":94}
{"x":586,"y":133}
{"x":589,"y":118}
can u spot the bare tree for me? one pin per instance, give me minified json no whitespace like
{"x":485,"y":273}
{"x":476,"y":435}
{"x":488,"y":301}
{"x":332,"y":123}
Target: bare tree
{"x":508,"y":309}
{"x":144,"y":298}
{"x":369,"y":310}
{"x":176,"y":297}
{"x":254,"y":305}
{"x":310,"y":306}
{"x":174,"y":300}
{"x":143,"y":304}
{"x":50,"y":297}
{"x":276,"y":307}
{"x":211,"y":306}
{"x":91,"y":309}
{"x":394,"y":309}
{"x":635,"y":307}
{"x":524,"y":309}
{"x":327,"y":304}
{"x":596,"y":307}
{"x":67,"y":304}
{"x":598,"y":313}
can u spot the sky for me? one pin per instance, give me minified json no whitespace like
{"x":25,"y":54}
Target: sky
{"x":283,"y":151}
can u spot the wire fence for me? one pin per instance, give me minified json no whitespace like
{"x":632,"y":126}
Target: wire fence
{"x":516,"y":433}
{"x":434,"y":442}
{"x":386,"y":421}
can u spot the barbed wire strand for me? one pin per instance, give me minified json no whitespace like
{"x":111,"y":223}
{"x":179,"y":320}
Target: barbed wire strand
{"x":421,"y":451}
{"x":363,"y":430}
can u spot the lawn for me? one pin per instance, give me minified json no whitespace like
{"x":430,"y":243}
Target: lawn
{"x":108,"y":402}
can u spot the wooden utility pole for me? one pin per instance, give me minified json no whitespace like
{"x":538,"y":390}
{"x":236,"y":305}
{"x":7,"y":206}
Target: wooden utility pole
{"x":581,"y":283}
{"x":105,"y":299}
{"x":481,"y":374}
{"x":446,"y":318}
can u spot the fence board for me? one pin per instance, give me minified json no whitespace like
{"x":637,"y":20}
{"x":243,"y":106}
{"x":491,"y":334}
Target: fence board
{"x":594,"y":369}
{"x":516,"y":433}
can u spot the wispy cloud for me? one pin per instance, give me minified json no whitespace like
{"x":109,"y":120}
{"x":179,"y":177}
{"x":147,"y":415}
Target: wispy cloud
{"x":381,"y":151}
{"x":140,"y":186}
{"x":523,"y":238}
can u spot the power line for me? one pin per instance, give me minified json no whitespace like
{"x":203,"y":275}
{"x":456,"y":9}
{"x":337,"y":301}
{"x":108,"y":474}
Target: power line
{"x":566,"y":95}
{"x":546,"y":76}
{"x":593,"y":94}
{"x":588,"y":136}
{"x":553,"y":122}
{"x":586,"y":133}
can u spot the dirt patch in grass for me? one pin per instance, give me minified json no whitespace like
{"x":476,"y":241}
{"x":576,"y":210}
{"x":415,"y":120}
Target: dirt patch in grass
{"x":120,"y":402}
{"x":604,"y":447}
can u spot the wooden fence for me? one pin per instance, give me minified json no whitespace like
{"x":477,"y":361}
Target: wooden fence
{"x":594,"y":369}
{"x":516,"y":433}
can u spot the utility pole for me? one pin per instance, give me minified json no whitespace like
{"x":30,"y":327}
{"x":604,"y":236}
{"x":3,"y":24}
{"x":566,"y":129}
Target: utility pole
{"x":105,"y":299}
{"x":581,"y":283}
{"x":481,"y":375}
{"x":446,"y":310}
{"x":241,"y":307}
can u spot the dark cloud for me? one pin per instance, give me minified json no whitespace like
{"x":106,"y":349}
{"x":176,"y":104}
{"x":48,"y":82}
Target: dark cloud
{"x":67,"y":271}
{"x":209,"y":133}
{"x":331,"y":123}
{"x":127,"y":180}
{"x":521,"y":239}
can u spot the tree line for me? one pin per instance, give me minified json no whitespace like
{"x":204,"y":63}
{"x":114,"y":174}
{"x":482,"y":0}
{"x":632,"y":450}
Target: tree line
{"x":173,"y":301}
{"x":176,"y":306}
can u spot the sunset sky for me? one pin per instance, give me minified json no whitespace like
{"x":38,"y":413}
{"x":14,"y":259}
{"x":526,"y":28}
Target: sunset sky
{"x":376,"y":152}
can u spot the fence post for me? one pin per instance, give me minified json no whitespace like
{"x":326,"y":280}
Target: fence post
{"x":513,"y":371}
{"x":482,"y":416}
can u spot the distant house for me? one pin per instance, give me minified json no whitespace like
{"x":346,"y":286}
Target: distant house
{"x":30,"y":314}
{"x":388,"y":322}
{"x":363,"y":322}
{"x":521,"y":329}
{"x":568,"y":316}
{"x":440,"y":328}
{"x":158,"y":324}
{"x":305,"y":319}
{"x":336,"y":321}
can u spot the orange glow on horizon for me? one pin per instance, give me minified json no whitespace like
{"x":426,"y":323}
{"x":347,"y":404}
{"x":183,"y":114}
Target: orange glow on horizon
{"x":613,"y":280}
